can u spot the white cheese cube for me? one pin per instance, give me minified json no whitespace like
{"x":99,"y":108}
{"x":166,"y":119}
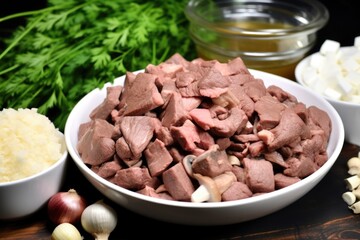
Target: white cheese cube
{"x":309,"y":75}
{"x":332,"y":93}
{"x":329,"y":46}
{"x":344,"y":85}
{"x":316,"y":61}
{"x":357,"y":42}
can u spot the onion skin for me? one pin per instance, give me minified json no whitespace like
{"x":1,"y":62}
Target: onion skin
{"x":66,"y":207}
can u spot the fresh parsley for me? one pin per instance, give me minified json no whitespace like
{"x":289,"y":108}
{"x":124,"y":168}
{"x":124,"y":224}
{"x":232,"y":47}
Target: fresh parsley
{"x":71,"y":47}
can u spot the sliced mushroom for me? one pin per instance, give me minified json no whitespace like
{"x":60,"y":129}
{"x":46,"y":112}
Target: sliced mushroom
{"x":210,"y":190}
{"x":187,"y":163}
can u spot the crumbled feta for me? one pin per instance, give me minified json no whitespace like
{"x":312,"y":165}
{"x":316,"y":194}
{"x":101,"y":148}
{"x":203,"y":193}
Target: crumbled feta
{"x":335,"y":71}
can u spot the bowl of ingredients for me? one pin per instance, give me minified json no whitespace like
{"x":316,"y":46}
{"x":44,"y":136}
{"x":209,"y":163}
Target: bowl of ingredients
{"x":202,"y":142}
{"x":334,"y":73}
{"x":33,"y":159}
{"x":271,"y":36}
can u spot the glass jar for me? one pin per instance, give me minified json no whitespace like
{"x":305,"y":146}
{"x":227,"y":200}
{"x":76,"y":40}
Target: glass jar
{"x":269,"y":35}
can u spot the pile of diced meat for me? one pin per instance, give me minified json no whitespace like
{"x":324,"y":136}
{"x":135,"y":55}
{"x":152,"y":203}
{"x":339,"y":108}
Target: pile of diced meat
{"x":202,"y":131}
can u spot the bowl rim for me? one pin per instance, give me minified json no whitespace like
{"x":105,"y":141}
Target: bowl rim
{"x":319,"y":174}
{"x":60,"y":161}
{"x":299,"y":79}
{"x":320,"y":19}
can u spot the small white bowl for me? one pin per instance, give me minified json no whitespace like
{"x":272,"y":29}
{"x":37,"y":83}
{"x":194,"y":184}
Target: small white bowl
{"x":348,"y":111}
{"x":23,"y":197}
{"x":218,"y":213}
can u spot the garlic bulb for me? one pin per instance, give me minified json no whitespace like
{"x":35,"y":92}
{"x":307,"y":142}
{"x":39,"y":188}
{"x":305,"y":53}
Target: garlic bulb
{"x":99,"y":219}
{"x":66,"y":231}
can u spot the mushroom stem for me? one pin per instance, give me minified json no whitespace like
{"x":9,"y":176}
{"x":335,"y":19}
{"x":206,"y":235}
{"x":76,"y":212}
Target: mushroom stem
{"x":354,"y":165}
{"x":355,"y":207}
{"x":187,"y":163}
{"x":349,"y":198}
{"x":352,"y":182}
{"x":210,"y":189}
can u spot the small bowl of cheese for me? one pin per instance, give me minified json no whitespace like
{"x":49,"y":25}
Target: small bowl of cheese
{"x":33,"y":158}
{"x":334,"y":73}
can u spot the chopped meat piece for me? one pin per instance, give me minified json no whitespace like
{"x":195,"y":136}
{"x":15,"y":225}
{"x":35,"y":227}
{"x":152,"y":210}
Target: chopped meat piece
{"x":202,"y":117}
{"x":211,"y":163}
{"x":206,"y":140}
{"x":163,"y":134}
{"x":122,"y":149}
{"x":256,"y":148}
{"x":174,"y":114}
{"x":223,"y":143}
{"x":186,"y":135}
{"x":149,"y":191}
{"x":229,"y":126}
{"x":321,"y":119}
{"x":134,"y":178}
{"x":178,"y":183}
{"x":108,"y":169}
{"x":282,"y":180}
{"x":269,"y":119}
{"x":300,"y":167}
{"x":255,"y":89}
{"x":137,"y":132}
{"x":289,"y":129}
{"x":110,"y":102}
{"x":236,"y":191}
{"x":96,"y":145}
{"x":259,"y":175}
{"x":213,"y":84}
{"x":157,"y":157}
{"x":276,"y":157}
{"x":280,"y":94}
{"x":239,"y":173}
{"x":141,"y":96}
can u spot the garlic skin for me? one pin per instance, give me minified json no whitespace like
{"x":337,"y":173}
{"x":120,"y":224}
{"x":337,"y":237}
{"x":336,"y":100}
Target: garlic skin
{"x":99,"y":219}
{"x":66,"y":231}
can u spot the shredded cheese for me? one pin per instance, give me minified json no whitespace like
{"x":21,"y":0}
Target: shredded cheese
{"x":29,"y":143}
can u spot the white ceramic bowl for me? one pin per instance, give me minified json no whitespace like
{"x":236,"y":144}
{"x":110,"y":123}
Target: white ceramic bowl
{"x":26,"y":196}
{"x":349,"y":112}
{"x":219,"y":213}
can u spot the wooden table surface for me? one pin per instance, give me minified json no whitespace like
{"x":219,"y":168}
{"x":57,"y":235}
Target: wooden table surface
{"x":320,"y":214}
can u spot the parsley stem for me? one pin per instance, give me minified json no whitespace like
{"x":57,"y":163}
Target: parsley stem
{"x":28,"y":29}
{"x":35,"y":12}
{"x":9,"y":69}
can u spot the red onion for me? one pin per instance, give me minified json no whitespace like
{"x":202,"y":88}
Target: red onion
{"x":66,"y":207}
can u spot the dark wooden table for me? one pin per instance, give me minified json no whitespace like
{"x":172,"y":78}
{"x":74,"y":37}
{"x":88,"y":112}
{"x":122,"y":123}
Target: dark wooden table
{"x":320,"y":214}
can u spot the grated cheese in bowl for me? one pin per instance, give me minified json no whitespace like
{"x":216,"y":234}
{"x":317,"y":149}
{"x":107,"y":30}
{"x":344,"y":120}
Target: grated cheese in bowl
{"x":29,"y":143}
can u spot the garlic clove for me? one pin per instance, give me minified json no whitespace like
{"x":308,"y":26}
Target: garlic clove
{"x":99,"y":219}
{"x":66,"y":231}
